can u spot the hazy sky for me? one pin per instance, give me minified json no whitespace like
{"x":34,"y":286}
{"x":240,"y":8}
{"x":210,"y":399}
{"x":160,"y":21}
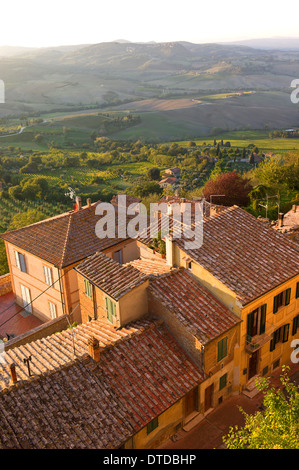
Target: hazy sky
{"x":58,"y":22}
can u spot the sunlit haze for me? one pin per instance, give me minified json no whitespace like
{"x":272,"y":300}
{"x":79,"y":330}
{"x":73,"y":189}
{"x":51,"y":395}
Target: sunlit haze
{"x":42,"y":24}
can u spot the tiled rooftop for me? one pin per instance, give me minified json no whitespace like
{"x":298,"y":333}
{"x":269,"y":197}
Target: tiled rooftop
{"x":150,"y":267}
{"x":64,"y":239}
{"x":110,"y":276}
{"x":84,"y":404}
{"x":195,"y":307}
{"x":246,"y":256}
{"x":57,"y":350}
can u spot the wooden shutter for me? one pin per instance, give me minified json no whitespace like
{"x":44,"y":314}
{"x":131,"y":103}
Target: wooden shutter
{"x":288,"y":296}
{"x":286,"y":329}
{"x":48,"y":275}
{"x":222,"y":349}
{"x":109,"y":309}
{"x":222,"y":381}
{"x":250,"y":324}
{"x":295,"y":325}
{"x":275,"y":304}
{"x":17,"y":259}
{"x":22,"y":262}
{"x":263,"y":319}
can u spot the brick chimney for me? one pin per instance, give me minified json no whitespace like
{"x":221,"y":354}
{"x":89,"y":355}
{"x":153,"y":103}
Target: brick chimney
{"x":94,"y":348}
{"x":88,"y":202}
{"x":13,"y":373}
{"x":280,"y":219}
{"x":294,"y":208}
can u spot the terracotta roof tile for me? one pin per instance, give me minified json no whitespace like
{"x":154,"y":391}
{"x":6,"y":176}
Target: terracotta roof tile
{"x":83,"y":404}
{"x":110,"y":276}
{"x":195,"y":307}
{"x":64,"y":239}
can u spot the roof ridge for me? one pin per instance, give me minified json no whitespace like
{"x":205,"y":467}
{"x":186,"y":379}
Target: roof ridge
{"x":64,"y":250}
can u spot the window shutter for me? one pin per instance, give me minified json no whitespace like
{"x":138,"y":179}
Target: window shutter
{"x":286,"y":329}
{"x":109,"y":308}
{"x":275,"y":304}
{"x":222,"y":381}
{"x":22,"y":262}
{"x":288,"y":296}
{"x":17,"y":260}
{"x":272,"y":345}
{"x":249,"y":324}
{"x":295,"y":325}
{"x":263,"y":319}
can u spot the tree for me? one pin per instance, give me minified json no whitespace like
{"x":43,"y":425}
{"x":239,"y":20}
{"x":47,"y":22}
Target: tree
{"x":232,"y":186}
{"x":153,"y":174}
{"x":21,"y":219}
{"x":277,"y":427}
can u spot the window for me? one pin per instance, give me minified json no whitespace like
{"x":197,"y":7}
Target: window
{"x":20,"y":261}
{"x":222,"y":349}
{"x":87,"y":287}
{"x":25,"y":292}
{"x":222,"y":381}
{"x":53,"y":311}
{"x":152,"y":425}
{"x":48,"y":275}
{"x":297,"y":290}
{"x":281,"y":300}
{"x":256,"y":321}
{"x":281,"y":335}
{"x":295,"y":325}
{"x":110,"y":309}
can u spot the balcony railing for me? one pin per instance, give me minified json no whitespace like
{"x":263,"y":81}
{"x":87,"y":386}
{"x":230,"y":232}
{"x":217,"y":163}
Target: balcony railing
{"x":253,"y":343}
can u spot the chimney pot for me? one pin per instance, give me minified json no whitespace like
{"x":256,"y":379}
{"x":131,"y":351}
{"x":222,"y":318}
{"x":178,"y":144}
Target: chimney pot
{"x":294,"y":208}
{"x":280,"y":219}
{"x":88,"y":202}
{"x":13,"y":373}
{"x":94,"y":348}
{"x":78,"y":203}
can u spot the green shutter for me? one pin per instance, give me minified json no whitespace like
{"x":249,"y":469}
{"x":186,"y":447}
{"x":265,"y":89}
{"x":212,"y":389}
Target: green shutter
{"x":87,"y":286}
{"x":109,"y":310}
{"x":288,"y":296}
{"x":275,"y":304}
{"x":222,"y":381}
{"x":263,"y":319}
{"x":222,"y":349}
{"x":152,"y":425}
{"x":286,"y":329}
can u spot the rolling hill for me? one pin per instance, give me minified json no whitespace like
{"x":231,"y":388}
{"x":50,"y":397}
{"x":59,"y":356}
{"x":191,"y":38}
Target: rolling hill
{"x":119,"y":74}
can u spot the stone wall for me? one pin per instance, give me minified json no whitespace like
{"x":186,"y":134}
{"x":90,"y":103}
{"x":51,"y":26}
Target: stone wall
{"x":5,"y":284}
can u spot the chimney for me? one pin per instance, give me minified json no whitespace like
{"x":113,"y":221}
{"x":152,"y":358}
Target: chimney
{"x":13,"y":373}
{"x":294,"y":208}
{"x":94,"y":348}
{"x":78,"y":203}
{"x":280,"y":219}
{"x":88,"y":202}
{"x":169,"y":244}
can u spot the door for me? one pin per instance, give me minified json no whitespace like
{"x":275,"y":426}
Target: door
{"x":25,"y":292}
{"x":209,"y":397}
{"x":190,"y":402}
{"x":252,"y":369}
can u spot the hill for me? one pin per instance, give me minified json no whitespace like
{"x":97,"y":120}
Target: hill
{"x":227,"y":86}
